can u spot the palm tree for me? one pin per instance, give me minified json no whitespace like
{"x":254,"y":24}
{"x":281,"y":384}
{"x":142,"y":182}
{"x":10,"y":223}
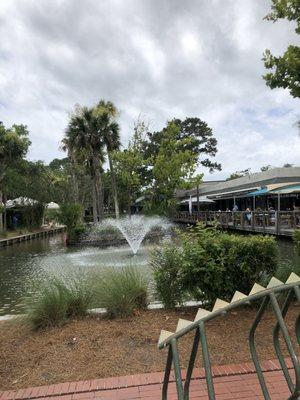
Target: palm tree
{"x":66,"y":146}
{"x":84,"y":133}
{"x":107,"y":112}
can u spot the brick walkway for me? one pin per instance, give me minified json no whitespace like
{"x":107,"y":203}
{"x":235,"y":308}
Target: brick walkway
{"x":232,"y":382}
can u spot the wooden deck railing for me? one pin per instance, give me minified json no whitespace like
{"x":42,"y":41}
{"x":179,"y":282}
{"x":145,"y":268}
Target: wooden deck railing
{"x":274,"y":222}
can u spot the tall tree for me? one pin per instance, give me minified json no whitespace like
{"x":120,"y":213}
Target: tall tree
{"x":14,"y":144}
{"x":285,"y":69}
{"x":129,"y":166}
{"x":106,"y":113}
{"x":174,"y":163}
{"x":194,"y":135}
{"x":67,"y":147}
{"x":84,"y":132}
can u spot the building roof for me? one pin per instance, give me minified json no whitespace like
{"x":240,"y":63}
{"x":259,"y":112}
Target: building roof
{"x":258,"y":179}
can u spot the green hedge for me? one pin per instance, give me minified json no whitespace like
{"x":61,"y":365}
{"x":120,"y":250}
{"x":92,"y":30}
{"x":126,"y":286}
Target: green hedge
{"x":213,"y":264}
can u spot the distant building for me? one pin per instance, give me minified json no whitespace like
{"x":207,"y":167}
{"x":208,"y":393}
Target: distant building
{"x":277,"y":188}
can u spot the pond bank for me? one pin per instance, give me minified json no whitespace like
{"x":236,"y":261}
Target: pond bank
{"x":32,"y":235}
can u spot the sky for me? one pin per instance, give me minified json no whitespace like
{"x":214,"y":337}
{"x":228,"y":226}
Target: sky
{"x":157,"y":59}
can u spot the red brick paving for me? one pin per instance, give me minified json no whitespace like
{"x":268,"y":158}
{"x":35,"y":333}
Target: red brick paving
{"x":231,"y":382}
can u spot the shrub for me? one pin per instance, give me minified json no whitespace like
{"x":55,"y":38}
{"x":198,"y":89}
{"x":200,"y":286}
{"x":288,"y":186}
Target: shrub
{"x":213,"y":264}
{"x":166,"y":263}
{"x":216,"y":263}
{"x":32,"y":215}
{"x":296,"y":239}
{"x":55,"y":301}
{"x":52,"y":215}
{"x":121,"y":291}
{"x":70,"y":214}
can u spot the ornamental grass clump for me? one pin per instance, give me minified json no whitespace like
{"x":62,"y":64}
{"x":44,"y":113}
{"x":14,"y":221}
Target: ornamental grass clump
{"x":57,"y":300}
{"x":121,"y":291}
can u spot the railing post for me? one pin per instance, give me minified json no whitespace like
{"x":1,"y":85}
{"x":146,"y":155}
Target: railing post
{"x":177,"y":371}
{"x":277,"y":222}
{"x":276,"y":342}
{"x":190,"y":367}
{"x":206,"y":362}
{"x":253,"y":350}
{"x":167,"y":375}
{"x":289,"y":345}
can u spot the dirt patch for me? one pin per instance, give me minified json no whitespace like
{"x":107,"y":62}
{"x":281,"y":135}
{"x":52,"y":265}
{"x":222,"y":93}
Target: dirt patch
{"x":97,"y":347}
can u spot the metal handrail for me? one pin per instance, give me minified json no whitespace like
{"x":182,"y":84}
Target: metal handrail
{"x":267,"y":296}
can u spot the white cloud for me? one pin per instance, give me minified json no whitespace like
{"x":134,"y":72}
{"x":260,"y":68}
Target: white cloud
{"x":161,"y":58}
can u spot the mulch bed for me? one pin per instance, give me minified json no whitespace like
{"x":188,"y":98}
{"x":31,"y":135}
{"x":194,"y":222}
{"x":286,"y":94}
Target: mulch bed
{"x":95,"y":347}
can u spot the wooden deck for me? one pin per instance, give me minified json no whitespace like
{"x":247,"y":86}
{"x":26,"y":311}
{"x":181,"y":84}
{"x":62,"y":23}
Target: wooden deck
{"x":279,"y":223}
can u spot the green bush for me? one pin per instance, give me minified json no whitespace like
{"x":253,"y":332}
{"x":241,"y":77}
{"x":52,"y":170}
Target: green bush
{"x":121,"y":291}
{"x":32,"y":215}
{"x":214,"y":264}
{"x":70,"y":214}
{"x":166,"y":263}
{"x":52,"y":215}
{"x":56,"y":301}
{"x":296,"y":239}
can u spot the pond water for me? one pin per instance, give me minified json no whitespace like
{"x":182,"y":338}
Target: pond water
{"x":23,"y":263}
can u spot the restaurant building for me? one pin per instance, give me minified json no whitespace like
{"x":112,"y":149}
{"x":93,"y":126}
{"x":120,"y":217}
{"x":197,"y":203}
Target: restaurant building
{"x":275,"y":189}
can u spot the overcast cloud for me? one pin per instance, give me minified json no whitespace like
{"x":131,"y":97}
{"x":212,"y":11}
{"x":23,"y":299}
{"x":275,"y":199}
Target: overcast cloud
{"x":160,"y":58}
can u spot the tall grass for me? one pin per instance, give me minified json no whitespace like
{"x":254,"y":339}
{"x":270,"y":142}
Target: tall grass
{"x":52,"y":302}
{"x":285,"y":269}
{"x":57,"y":300}
{"x":121,"y":291}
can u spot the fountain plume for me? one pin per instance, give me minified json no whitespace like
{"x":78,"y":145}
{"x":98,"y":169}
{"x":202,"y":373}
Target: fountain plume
{"x":134,"y":228}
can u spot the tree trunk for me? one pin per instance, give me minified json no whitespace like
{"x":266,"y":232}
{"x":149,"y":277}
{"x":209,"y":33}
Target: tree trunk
{"x":94,"y":194}
{"x":113,"y":185}
{"x":128,"y":206}
{"x":100,"y":195}
{"x":97,"y":189}
{"x":74,"y":177}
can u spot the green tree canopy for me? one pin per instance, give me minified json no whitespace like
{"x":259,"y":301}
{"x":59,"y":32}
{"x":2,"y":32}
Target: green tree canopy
{"x":285,"y":69}
{"x":174,"y":163}
{"x":201,"y":141}
{"x":14,"y":144}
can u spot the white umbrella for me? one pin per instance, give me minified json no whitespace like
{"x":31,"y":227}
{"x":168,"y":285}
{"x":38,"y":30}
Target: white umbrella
{"x":52,"y":206}
{"x":20,"y":201}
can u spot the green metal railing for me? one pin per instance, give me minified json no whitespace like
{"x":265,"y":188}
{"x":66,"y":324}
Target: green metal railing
{"x":267,"y":296}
